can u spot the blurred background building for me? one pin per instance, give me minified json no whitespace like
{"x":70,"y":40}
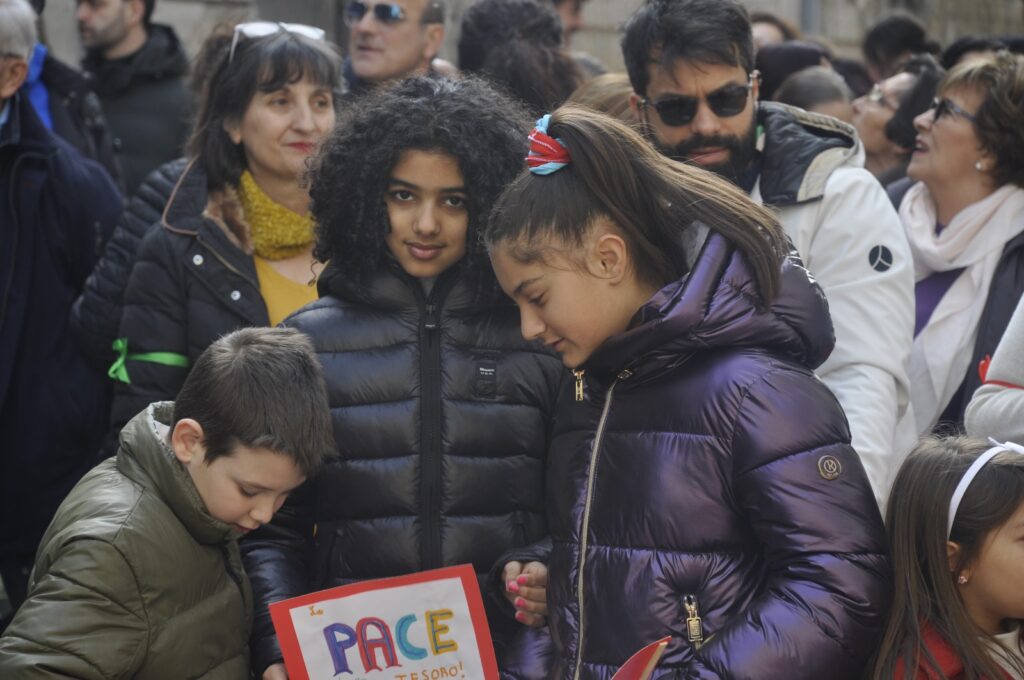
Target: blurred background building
{"x":841,"y":22}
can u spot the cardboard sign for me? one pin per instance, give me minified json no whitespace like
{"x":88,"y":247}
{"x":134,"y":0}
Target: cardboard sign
{"x":641,"y":665}
{"x":424,"y":626}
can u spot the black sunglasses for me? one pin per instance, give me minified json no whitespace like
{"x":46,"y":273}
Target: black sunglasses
{"x":944,"y":107}
{"x":727,"y":101}
{"x":384,"y":12}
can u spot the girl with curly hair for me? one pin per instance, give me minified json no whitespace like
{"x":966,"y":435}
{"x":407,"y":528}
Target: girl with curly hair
{"x":441,"y":410}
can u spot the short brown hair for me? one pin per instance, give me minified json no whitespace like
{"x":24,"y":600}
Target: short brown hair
{"x":1000,"y":82}
{"x":260,"y":388}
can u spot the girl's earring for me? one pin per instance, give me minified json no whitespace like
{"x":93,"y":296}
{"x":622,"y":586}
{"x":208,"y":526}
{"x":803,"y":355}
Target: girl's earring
{"x":979,"y":166}
{"x":962,"y":579}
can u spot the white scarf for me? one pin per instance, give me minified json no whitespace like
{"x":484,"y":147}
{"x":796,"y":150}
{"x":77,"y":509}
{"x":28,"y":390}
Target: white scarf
{"x":974,"y":241}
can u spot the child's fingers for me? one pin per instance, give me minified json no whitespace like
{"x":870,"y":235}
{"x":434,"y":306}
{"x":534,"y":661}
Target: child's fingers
{"x":511,"y":572}
{"x":530,"y":606}
{"x":533,"y":574}
{"x":532,"y":620}
{"x":535,"y":594}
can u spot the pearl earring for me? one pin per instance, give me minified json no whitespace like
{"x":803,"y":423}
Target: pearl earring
{"x":979,"y":167}
{"x":961,"y":579}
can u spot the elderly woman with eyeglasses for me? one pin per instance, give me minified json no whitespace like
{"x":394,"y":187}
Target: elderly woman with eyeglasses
{"x":965,"y":223}
{"x":234,"y":247}
{"x":884,"y":117}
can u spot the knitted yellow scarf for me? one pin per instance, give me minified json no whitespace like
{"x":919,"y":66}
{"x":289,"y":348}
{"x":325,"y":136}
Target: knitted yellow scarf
{"x":277,"y":233}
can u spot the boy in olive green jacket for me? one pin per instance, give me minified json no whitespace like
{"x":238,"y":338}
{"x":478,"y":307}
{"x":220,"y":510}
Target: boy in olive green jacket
{"x":139,"y":573}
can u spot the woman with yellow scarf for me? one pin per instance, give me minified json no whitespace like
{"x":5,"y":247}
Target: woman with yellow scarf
{"x":234,"y":247}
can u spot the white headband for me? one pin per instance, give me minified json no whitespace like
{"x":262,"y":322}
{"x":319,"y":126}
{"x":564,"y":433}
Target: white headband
{"x":972,"y":472}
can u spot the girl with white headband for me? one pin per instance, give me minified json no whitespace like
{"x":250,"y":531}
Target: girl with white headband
{"x":956,"y":531}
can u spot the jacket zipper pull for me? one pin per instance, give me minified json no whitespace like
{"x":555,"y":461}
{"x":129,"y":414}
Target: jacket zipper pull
{"x":429,"y":319}
{"x":694,"y":626}
{"x":579,"y":384}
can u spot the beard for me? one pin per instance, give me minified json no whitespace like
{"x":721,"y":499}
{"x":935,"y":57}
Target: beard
{"x":741,"y":151}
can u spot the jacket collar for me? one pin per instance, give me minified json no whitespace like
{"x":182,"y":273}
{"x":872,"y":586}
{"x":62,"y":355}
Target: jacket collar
{"x":147,"y":458}
{"x":717,"y":305}
{"x":160,"y":57}
{"x":391,"y":288}
{"x":23,"y":128}
{"x":799,"y":151}
{"x":945,"y":656}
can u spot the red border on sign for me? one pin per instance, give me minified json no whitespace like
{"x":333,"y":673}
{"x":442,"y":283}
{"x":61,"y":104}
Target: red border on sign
{"x":289,"y":640}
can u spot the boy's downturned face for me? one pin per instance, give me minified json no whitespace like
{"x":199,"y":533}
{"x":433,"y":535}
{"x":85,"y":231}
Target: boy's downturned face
{"x":243,"y":489}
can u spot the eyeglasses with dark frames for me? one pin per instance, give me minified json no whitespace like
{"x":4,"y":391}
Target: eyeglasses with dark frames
{"x":384,"y":12}
{"x":726,"y":102}
{"x":944,"y":107}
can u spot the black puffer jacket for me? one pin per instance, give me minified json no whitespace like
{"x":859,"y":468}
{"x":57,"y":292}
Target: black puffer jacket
{"x":192,"y":283}
{"x":146,"y":104}
{"x":97,"y":312}
{"x":441,"y":413}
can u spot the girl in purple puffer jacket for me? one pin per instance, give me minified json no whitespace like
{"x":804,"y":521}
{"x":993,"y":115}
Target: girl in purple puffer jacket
{"x":701,"y":483}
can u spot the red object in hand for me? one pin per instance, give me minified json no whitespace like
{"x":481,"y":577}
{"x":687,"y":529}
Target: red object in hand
{"x":642,"y":664}
{"x":983,"y":367}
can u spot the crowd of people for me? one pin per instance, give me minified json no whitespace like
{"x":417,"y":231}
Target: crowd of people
{"x":723,"y":348}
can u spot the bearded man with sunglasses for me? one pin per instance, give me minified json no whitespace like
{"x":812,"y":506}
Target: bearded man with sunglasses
{"x":391,"y":40}
{"x":690,"y":63}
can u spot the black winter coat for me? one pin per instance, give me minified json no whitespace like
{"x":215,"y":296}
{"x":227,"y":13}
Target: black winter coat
{"x":96,"y":316}
{"x":707,"y":474}
{"x":441,"y":413}
{"x":147,"y":106}
{"x":192,"y":283}
{"x":53,"y":204}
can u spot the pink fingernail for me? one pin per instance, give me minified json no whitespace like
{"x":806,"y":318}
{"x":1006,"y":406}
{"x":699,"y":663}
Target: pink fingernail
{"x":520,"y":616}
{"x":513,"y":587}
{"x":520,"y":602}
{"x":522,"y":580}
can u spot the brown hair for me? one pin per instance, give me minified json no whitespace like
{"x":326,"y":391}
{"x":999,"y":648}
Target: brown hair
{"x":608,"y":93}
{"x":926,"y":591}
{"x":616,"y":174}
{"x":261,"y":388}
{"x":1000,"y":82}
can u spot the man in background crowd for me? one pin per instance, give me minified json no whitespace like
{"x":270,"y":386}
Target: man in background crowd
{"x":391,"y":40}
{"x":52,"y":405}
{"x":138,"y":69}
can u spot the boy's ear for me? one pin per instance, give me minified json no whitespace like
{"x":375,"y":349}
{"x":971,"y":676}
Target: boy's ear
{"x":187,"y":441}
{"x":609,"y":258}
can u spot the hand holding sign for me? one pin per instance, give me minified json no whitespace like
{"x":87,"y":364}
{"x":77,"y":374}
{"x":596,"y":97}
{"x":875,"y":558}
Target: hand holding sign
{"x":526,"y":588}
{"x":414,"y":627}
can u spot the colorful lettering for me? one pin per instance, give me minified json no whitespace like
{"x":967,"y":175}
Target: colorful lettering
{"x":409,"y":650}
{"x":436,"y":629}
{"x":368,"y":647}
{"x":339,"y":647}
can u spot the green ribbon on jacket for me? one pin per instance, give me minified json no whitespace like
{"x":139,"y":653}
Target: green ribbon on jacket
{"x":118,"y":371}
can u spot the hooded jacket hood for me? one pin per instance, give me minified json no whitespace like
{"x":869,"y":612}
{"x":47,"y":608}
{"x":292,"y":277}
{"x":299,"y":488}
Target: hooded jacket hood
{"x":161,"y":57}
{"x":718,"y":305}
{"x":799,"y":151}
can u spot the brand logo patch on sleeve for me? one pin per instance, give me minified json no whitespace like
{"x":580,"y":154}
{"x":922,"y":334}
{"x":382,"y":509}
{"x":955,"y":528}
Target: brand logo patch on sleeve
{"x":829,"y":467}
{"x":880,"y":258}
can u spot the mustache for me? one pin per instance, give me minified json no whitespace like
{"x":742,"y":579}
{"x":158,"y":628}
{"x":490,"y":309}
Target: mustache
{"x":684,"y":149}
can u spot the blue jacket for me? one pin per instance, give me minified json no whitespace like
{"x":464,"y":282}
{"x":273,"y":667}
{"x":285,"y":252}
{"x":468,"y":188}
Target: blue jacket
{"x":705,"y":489}
{"x":54,"y":205}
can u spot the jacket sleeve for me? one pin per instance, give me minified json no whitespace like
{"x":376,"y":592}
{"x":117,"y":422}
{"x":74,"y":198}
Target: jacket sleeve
{"x":809,"y":505}
{"x":277,"y":559}
{"x":997,"y":408}
{"x":155,"y":319}
{"x":96,"y":313}
{"x":872,"y":306}
{"x":84,"y":618}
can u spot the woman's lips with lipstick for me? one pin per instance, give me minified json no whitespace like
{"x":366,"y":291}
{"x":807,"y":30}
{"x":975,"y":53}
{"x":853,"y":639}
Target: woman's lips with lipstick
{"x":304,"y":147}
{"x":422,"y":251}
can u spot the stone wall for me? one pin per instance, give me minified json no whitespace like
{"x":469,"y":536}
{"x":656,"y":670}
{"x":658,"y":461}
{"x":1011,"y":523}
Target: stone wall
{"x":842,"y":22}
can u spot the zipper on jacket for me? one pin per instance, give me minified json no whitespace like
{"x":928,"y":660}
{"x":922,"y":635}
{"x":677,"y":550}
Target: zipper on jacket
{"x":694,"y":625}
{"x":578,"y":374}
{"x":430,"y":433}
{"x":585,"y":527}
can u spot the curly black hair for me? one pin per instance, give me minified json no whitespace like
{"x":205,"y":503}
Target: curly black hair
{"x":484,"y":130}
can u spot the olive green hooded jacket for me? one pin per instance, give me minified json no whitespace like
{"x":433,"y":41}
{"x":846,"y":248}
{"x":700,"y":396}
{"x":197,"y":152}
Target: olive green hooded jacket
{"x":133,"y":579}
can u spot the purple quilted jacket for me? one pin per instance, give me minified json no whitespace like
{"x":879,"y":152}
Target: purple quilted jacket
{"x":705,"y":488}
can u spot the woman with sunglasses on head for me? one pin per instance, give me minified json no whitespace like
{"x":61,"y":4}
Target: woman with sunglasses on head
{"x":234,"y":246}
{"x":965,"y":222}
{"x":441,"y":410}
